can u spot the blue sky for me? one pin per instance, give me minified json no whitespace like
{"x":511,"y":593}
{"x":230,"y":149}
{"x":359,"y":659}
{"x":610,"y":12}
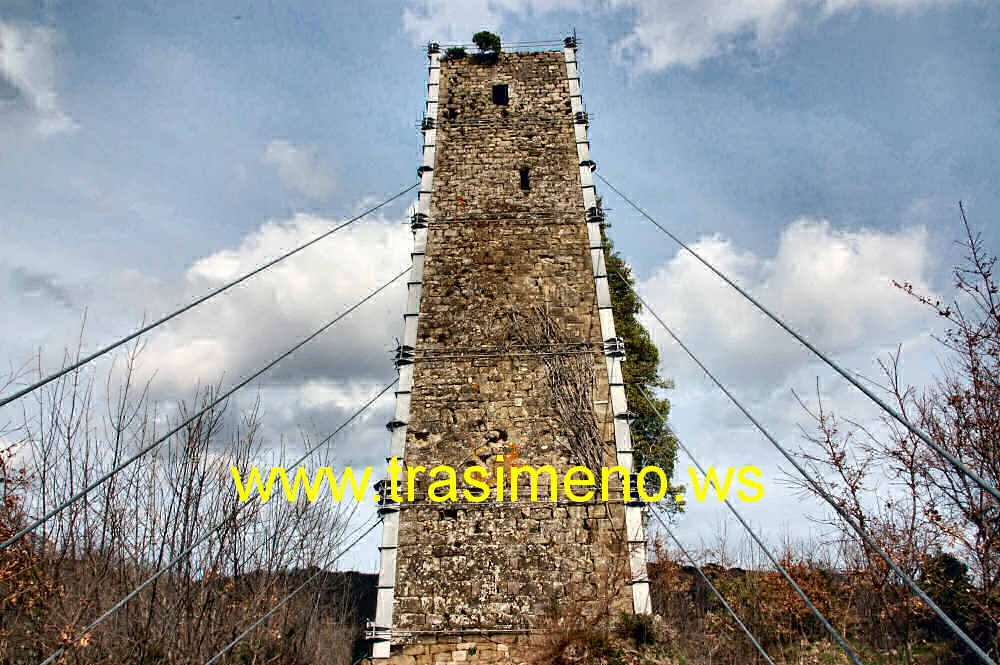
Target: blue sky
{"x":816,"y":149}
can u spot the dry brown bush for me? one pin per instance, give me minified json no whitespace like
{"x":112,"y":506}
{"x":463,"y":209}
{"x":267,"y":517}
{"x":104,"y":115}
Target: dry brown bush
{"x":54,"y":582}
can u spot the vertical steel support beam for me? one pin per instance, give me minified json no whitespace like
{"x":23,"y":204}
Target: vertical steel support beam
{"x":382,"y":632}
{"x":634,"y":530}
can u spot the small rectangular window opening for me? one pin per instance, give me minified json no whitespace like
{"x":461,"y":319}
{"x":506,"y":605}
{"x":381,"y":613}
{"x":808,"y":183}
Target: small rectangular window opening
{"x":500,"y":94}
{"x":525,"y":183}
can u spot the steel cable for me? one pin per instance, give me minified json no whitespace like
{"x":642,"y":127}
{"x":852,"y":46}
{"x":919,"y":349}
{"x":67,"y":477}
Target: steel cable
{"x":205,"y":536}
{"x":711,"y":586}
{"x":7,"y":399}
{"x":919,"y":433}
{"x":814,"y":484}
{"x":79,"y":495}
{"x":284,"y":600}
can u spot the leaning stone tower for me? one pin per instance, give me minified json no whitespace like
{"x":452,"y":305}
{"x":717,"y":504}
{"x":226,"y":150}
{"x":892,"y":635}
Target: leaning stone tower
{"x":509,"y":348}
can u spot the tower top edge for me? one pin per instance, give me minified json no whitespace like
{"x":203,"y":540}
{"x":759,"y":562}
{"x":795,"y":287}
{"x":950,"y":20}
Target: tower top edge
{"x":571,"y":41}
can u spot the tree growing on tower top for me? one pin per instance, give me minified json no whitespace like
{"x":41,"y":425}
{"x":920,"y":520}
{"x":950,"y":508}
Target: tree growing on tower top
{"x":488,"y":43}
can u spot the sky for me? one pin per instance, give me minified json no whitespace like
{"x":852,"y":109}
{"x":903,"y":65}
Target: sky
{"x":815,"y":150}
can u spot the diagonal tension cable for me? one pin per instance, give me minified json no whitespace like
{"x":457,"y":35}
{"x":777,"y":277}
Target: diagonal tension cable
{"x":711,"y":586}
{"x":916,"y":431}
{"x":7,"y":399}
{"x":205,"y":536}
{"x":287,"y":598}
{"x":79,"y":495}
{"x":815,"y":486}
{"x":764,"y":548}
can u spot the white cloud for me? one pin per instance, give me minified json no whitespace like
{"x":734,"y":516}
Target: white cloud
{"x":240,"y":331}
{"x":28,"y":78}
{"x":315,"y":394}
{"x":665,"y":33}
{"x":685,"y":33}
{"x":236,"y":333}
{"x":300,"y":168}
{"x":680,"y":32}
{"x":314,"y":390}
{"x":834,"y":287}
{"x":442,"y":21}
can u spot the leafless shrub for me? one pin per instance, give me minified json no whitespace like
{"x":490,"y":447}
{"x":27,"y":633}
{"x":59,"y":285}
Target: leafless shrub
{"x":938,"y":525}
{"x":56,"y":581}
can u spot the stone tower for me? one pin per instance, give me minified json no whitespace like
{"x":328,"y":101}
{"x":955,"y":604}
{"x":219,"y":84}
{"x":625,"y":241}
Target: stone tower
{"x":509,"y":348}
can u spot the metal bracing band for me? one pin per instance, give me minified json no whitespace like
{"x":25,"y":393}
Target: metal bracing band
{"x":614,"y":346}
{"x":395,"y":424}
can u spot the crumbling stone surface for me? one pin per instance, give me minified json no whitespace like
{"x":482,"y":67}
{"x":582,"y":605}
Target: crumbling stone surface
{"x":492,"y":249}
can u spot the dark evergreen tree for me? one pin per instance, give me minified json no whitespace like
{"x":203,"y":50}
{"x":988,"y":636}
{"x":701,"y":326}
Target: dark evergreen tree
{"x":652,"y":439}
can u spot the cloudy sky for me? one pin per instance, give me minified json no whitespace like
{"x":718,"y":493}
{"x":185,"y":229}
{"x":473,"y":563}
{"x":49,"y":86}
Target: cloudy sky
{"x":814,"y":149}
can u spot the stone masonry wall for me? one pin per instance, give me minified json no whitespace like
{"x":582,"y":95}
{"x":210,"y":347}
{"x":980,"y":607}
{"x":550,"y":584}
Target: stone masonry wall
{"x":494,"y":249}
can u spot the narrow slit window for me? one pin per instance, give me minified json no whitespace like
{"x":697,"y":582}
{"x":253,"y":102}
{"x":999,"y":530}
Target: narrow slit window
{"x":500,"y":95}
{"x":525,"y":181}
